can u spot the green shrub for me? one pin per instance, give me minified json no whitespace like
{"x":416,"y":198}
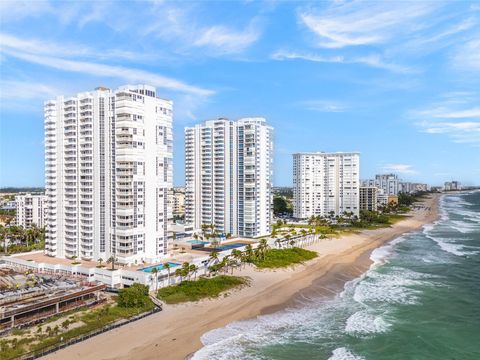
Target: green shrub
{"x":135,"y":296}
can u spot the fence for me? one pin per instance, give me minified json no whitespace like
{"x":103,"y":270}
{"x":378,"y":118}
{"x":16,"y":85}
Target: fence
{"x":63,"y":345}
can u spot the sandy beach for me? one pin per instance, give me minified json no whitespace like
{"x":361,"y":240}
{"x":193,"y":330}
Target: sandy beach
{"x":175,"y":332}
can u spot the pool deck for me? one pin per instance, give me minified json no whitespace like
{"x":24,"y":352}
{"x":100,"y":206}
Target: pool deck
{"x":174,"y":256}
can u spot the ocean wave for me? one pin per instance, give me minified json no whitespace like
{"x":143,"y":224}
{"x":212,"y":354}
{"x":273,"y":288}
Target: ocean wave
{"x":394,"y":287}
{"x":364,"y":322}
{"x":452,"y":248}
{"x":380,"y":255}
{"x":471,"y":215}
{"x":344,"y":354}
{"x":223,"y":350}
{"x":464,"y":227}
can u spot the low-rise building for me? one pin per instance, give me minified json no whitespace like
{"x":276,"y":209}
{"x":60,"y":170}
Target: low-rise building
{"x":393,"y":200}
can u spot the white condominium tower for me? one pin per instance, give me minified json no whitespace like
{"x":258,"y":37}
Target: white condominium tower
{"x":325,"y":183}
{"x":228,"y":170}
{"x":31,"y":210}
{"x":389,"y":183}
{"x":108,"y":167}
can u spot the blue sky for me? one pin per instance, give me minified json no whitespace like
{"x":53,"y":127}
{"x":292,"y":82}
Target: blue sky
{"x":397,"y":81}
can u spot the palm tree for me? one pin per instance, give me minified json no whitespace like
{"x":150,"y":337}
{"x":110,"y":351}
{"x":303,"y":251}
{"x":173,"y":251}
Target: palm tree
{"x":179,"y":273}
{"x":277,"y":243}
{"x":263,"y":246}
{"x":237,"y":255}
{"x":111,"y":260}
{"x":3,"y":237}
{"x":213,"y":256}
{"x":100,"y":260}
{"x":287,"y":237}
{"x":232,"y":263}
{"x":193,"y":270}
{"x":186,"y":269}
{"x":249,"y":252}
{"x":167,"y":266}
{"x":304,"y":234}
{"x":154,"y":273}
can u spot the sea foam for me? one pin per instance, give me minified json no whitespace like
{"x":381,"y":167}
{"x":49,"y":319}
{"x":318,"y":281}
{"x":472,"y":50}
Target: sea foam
{"x":344,"y":354}
{"x":364,"y":322}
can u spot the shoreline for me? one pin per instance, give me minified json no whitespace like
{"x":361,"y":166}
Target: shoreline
{"x":175,"y":332}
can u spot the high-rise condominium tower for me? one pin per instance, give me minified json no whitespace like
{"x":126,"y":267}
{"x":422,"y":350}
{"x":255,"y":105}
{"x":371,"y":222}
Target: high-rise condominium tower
{"x":388,"y":182}
{"x":108,"y":166}
{"x":31,"y":210}
{"x":228,"y":170}
{"x":325,"y":183}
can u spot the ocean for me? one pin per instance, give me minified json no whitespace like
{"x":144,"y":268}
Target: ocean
{"x":419,"y":300}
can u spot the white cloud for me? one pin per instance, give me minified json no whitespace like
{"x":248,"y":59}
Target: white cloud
{"x":13,"y":89}
{"x":103,"y":70}
{"x":182,"y":29}
{"x":14,"y":10}
{"x":363,"y":23}
{"x":38,"y":47}
{"x":467,"y":56}
{"x":324,"y":106}
{"x":399,"y":168}
{"x":375,"y":61}
{"x":463,"y":132}
{"x":456,"y":116}
{"x":227,"y":40}
{"x":290,"y":55}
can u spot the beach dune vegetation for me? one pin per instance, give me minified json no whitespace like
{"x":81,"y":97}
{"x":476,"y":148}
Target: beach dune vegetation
{"x":202,"y":288}
{"x":278,"y":258}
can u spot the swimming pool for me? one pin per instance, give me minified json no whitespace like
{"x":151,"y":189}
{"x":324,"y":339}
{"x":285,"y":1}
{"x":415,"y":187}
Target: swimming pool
{"x":197,"y":242}
{"x":158,"y":267}
{"x":230,"y":246}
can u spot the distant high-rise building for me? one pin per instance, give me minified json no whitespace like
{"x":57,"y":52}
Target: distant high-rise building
{"x":368,"y":198}
{"x":324,"y":183}
{"x":177,"y":200}
{"x":31,"y":210}
{"x":452,"y":186}
{"x":389,"y":183}
{"x":411,"y":188}
{"x":228,"y":172}
{"x":108,"y":167}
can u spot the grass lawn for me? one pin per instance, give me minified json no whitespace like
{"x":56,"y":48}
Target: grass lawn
{"x":278,"y":258}
{"x":200,"y":289}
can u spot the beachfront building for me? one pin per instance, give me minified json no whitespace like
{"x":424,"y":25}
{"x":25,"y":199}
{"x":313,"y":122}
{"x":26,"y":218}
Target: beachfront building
{"x":228,"y":174}
{"x":325,"y":183}
{"x":31,"y":209}
{"x":411,"y":188}
{"x":108,"y":167}
{"x":452,"y":186}
{"x":368,"y":198}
